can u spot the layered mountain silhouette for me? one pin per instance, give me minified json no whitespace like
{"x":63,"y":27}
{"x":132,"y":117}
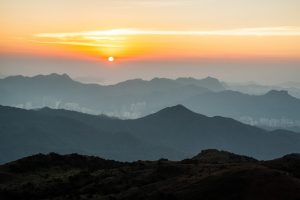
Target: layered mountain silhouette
{"x":212,"y":174}
{"x":174,"y":133}
{"x":130,"y":98}
{"x":136,"y":98}
{"x":257,"y":89}
{"x":26,"y":132}
{"x":273,"y":105}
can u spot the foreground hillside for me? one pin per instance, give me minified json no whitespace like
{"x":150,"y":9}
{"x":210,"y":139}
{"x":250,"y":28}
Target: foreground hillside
{"x":174,"y":133}
{"x":212,"y":174}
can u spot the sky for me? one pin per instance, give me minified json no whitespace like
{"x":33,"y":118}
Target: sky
{"x":234,"y":40}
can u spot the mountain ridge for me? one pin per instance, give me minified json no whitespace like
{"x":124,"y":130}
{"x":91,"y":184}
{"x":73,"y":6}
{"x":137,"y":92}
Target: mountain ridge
{"x":54,"y":176}
{"x":174,"y":132}
{"x":137,"y":98}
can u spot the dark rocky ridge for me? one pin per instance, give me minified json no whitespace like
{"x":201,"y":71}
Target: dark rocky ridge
{"x":214,"y":156}
{"x":212,"y":174}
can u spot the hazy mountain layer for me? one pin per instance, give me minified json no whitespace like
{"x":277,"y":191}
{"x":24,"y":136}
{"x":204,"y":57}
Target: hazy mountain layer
{"x":137,"y":98}
{"x":272,"y":105}
{"x":174,"y":133}
{"x":129,"y":99}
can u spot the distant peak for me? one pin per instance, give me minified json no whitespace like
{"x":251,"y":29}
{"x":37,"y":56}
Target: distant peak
{"x":131,"y":81}
{"x":178,"y":107}
{"x":55,"y":75}
{"x":186,"y":78}
{"x":46,"y":108}
{"x":14,"y":77}
{"x":292,"y":156}
{"x":176,"y":110}
{"x":161,"y":80}
{"x":277,"y":93}
{"x":209,"y":78}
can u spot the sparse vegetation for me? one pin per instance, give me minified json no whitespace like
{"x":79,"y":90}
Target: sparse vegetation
{"x":74,"y":176}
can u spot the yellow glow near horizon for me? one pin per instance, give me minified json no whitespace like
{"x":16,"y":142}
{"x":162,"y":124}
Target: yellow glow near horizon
{"x":129,"y":43}
{"x":178,"y":29}
{"x":257,"y":31}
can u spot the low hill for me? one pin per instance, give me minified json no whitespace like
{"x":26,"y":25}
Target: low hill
{"x":74,"y":176}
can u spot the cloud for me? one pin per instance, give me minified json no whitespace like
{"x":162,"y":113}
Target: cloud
{"x":260,"y":31}
{"x":78,"y":43}
{"x":115,"y":38}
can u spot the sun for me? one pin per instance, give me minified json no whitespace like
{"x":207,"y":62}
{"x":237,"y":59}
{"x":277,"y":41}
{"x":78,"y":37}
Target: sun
{"x":110,"y":59}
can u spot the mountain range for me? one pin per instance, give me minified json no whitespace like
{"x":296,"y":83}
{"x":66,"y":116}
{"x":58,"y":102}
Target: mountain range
{"x":258,"y":89}
{"x":130,"y":99}
{"x":174,"y":133}
{"x":272,"y":105}
{"x":137,"y":98}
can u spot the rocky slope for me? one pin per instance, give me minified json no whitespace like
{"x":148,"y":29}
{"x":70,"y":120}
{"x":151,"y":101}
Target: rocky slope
{"x":212,"y":174}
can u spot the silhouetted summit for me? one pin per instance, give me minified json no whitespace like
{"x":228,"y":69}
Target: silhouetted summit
{"x":216,"y":156}
{"x":176,"y":111}
{"x":278,"y":94}
{"x":179,"y":108}
{"x":208,"y":82}
{"x":53,"y":77}
{"x":293,"y":156}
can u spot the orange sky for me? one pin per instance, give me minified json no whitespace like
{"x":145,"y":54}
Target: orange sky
{"x":152,"y":29}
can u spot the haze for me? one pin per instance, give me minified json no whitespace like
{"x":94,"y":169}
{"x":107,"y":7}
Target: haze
{"x":235,"y":40}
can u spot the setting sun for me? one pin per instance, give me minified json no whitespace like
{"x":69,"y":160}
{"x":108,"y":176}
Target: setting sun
{"x":110,"y":59}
